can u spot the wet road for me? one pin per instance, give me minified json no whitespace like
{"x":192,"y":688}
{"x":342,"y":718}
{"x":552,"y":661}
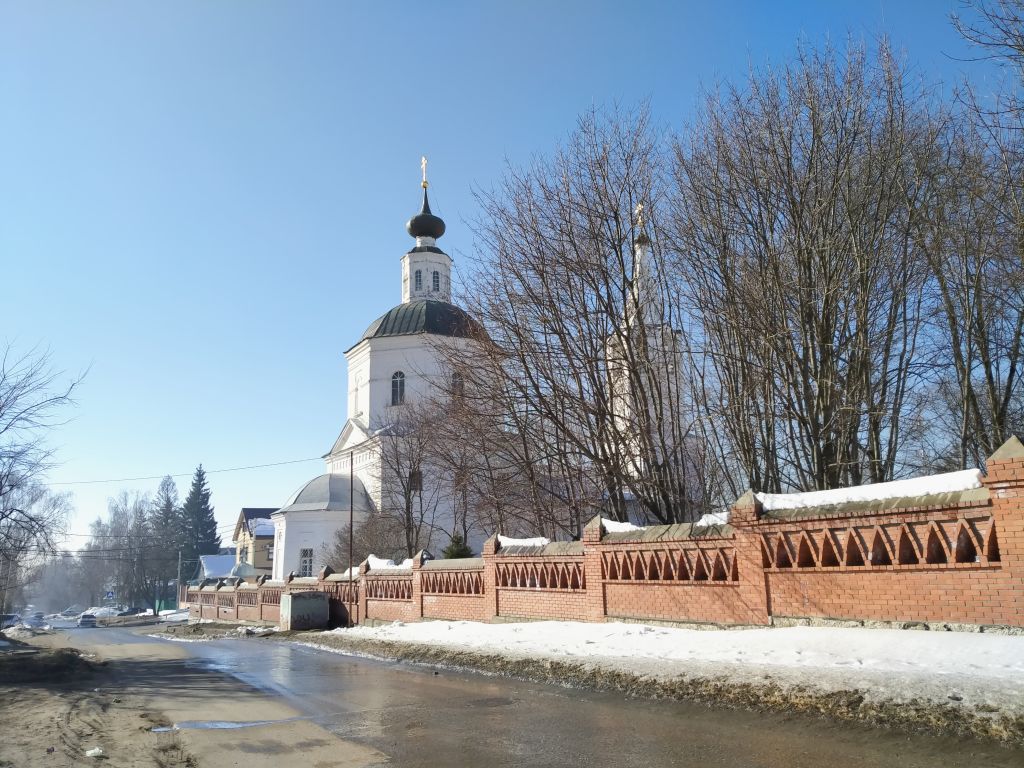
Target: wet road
{"x":420,"y":718}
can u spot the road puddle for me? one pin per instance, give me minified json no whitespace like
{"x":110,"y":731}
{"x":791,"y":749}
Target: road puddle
{"x":219,"y":725}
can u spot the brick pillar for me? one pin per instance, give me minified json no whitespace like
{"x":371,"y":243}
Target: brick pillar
{"x":592,"y":571}
{"x":363,"y":568}
{"x":488,"y":553}
{"x":1005,"y":481}
{"x":754,"y":582}
{"x":417,"y":587}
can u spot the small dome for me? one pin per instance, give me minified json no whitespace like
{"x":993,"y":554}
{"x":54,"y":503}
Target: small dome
{"x":424,"y":223}
{"x":423,"y":316}
{"x":329,"y":493}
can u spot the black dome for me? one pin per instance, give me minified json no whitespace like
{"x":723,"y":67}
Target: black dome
{"x":424,"y":223}
{"x":423,"y":316}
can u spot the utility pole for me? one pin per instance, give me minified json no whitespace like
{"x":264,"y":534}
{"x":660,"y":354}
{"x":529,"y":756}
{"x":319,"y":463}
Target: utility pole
{"x":177,"y":584}
{"x":351,"y":515}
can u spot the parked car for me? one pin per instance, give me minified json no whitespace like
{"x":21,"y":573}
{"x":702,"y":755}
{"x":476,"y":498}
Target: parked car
{"x":36,"y":620}
{"x":9,"y":620}
{"x":87,"y":620}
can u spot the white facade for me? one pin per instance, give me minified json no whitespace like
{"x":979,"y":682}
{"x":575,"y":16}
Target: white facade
{"x":405,"y":341}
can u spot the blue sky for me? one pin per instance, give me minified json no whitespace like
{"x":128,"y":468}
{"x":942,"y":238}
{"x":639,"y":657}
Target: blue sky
{"x":202,"y":203}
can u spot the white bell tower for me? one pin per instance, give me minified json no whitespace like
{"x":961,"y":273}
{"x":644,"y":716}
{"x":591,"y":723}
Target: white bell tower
{"x":426,"y":269}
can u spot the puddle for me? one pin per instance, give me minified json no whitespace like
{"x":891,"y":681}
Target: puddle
{"x":219,"y":725}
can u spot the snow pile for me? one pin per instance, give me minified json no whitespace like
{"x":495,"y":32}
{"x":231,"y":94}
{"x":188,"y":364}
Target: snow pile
{"x":614,"y":526}
{"x":948,"y":482}
{"x":889,"y":657}
{"x":375,"y":563}
{"x":713,"y":518}
{"x":173,"y":615}
{"x":508,"y":541}
{"x":102,"y":613}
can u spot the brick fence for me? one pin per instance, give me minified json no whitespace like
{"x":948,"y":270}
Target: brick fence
{"x":950,"y":557}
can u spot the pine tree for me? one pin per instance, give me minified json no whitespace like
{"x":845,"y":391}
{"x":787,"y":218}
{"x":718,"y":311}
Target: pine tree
{"x":198,"y":523}
{"x":456,"y":548}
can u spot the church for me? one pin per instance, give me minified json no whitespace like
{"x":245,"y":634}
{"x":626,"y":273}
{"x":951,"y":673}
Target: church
{"x":397,"y":363}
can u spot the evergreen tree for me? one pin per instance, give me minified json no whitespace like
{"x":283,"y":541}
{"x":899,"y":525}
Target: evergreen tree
{"x":456,"y":548}
{"x":198,"y":523}
{"x":165,"y":523}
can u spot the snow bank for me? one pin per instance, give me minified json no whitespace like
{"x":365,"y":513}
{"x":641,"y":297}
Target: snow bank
{"x":892,"y":661}
{"x":948,"y":482}
{"x":614,"y":526}
{"x":537,"y":541}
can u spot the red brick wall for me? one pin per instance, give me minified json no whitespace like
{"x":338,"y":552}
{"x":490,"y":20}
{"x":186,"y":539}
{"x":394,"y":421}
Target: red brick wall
{"x":390,"y":610}
{"x":554,"y":604}
{"x":455,"y":607}
{"x":962,"y":563}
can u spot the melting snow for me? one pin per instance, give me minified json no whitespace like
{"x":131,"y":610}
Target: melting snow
{"x":917,"y":486}
{"x":614,"y":526}
{"x":537,"y":541}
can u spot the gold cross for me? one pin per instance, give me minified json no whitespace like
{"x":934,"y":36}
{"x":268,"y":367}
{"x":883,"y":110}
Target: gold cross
{"x":423,"y":165}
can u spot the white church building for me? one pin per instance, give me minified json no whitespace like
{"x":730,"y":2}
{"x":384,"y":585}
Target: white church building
{"x":395,"y":363}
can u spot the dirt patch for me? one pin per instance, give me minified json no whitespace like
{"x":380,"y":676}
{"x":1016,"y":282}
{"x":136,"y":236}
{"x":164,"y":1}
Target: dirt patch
{"x":848,"y":705}
{"x":56,"y":725}
{"x":30,"y":665}
{"x":199,"y":631}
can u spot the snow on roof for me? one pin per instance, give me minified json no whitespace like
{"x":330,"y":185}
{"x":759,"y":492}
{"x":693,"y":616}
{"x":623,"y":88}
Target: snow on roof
{"x":614,"y":526}
{"x":217,"y":566}
{"x":261,"y":527}
{"x":537,"y":541}
{"x":949,"y":482}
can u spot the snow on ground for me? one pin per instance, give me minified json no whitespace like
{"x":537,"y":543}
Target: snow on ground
{"x":947,"y":482}
{"x":893,"y":663}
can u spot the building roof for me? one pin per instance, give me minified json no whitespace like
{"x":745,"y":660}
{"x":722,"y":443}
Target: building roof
{"x":423,"y":316}
{"x":329,"y":493}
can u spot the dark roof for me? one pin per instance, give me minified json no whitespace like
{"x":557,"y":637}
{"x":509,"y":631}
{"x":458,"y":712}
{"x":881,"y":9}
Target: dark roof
{"x":423,"y":316}
{"x":329,"y":493}
{"x":255,"y":513}
{"x":425,"y":223}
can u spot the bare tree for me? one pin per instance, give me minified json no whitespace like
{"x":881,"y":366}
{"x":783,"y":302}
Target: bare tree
{"x":412,"y":494}
{"x":582,"y":364}
{"x":795,"y":198}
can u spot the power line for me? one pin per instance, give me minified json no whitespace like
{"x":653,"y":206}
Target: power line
{"x":183,"y":474}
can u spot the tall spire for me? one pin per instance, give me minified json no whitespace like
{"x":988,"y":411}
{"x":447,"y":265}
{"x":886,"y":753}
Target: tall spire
{"x":425,"y":224}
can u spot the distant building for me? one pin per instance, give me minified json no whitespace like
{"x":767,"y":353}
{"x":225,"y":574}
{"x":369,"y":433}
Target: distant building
{"x":254,"y":538}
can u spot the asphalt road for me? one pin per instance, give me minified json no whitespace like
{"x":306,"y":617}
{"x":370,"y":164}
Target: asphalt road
{"x":419,"y":717}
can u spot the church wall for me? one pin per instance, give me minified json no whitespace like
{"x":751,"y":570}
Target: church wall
{"x":306,"y":530}
{"x":949,"y":562}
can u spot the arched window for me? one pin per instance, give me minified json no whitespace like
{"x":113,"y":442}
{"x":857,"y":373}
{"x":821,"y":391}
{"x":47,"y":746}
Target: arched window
{"x":436,"y":281}
{"x":397,"y":388}
{"x":419,"y":280}
{"x":458,"y":385}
